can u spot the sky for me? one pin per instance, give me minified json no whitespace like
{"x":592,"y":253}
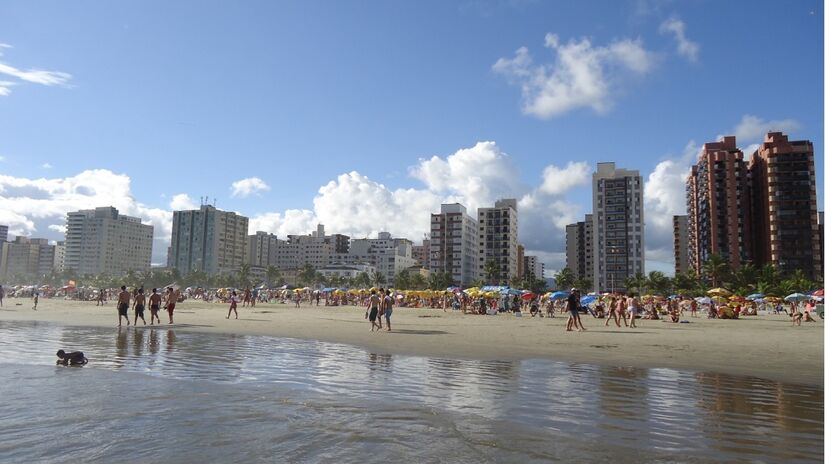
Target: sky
{"x":366,"y":115}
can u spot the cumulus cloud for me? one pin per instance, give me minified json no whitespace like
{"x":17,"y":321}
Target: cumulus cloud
{"x":25,"y":203}
{"x":59,"y":228}
{"x":182,"y":202}
{"x":559,"y":180}
{"x":582,"y":75}
{"x":246,"y":187}
{"x":752,"y":129}
{"x":46,"y":166}
{"x":292,"y":221}
{"x":36,"y":76}
{"x":665,"y":197}
{"x":684,"y":46}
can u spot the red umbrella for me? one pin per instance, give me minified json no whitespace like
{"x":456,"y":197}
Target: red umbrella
{"x":527,"y":296}
{"x":819,"y":292}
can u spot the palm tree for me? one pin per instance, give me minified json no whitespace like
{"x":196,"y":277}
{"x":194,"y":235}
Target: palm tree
{"x":744,"y":279}
{"x":584,"y":284}
{"x":273,"y":275}
{"x":403,"y":280}
{"x":378,"y":279}
{"x":715,"y":269}
{"x":492,"y":271}
{"x":637,"y":281}
{"x":565,"y":278}
{"x":658,"y":282}
{"x":244,"y":276}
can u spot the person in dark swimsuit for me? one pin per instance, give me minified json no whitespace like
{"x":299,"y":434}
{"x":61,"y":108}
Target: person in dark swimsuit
{"x":154,"y":306}
{"x":140,"y":305}
{"x":75,"y":358}
{"x":372,"y":313}
{"x":123,"y":305}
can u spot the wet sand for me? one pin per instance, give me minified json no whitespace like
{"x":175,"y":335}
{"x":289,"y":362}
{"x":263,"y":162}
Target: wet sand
{"x":761,"y":346}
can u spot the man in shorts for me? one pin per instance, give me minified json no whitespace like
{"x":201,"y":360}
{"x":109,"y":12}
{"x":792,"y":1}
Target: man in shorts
{"x":171,"y":300}
{"x":574,"y":320}
{"x":372,"y":310}
{"x":140,"y":305}
{"x":387,"y":306}
{"x":123,"y":305}
{"x":154,"y":306}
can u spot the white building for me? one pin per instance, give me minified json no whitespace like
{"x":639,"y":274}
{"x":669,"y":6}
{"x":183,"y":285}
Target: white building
{"x":388,"y":255}
{"x":59,"y":256}
{"x":26,"y":256}
{"x":534,"y":267}
{"x":347,"y":271}
{"x":103,"y":241}
{"x":208,"y":240}
{"x":454,"y":244}
{"x":316,"y":249}
{"x":618,"y":226}
{"x":498,"y":239}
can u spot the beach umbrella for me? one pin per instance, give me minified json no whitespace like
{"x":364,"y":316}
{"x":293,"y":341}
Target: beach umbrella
{"x":755,"y":296}
{"x":528,"y":295}
{"x":559,"y":295}
{"x":718,"y":292}
{"x":796,"y":297}
{"x":773,"y":299}
{"x":703,"y":300}
{"x":819,"y":292}
{"x":587,"y":300}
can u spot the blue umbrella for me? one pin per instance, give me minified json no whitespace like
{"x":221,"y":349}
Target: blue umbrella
{"x":559,"y":295}
{"x":587,"y":300}
{"x":797,"y":297}
{"x":703,"y":300}
{"x":754,"y":296}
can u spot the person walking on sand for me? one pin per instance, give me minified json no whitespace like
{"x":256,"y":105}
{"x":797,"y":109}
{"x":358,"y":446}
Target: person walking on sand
{"x":387,"y":309}
{"x":123,"y":305}
{"x":372,"y":310}
{"x":36,"y":298}
{"x":247,"y":297}
{"x":171,"y":301}
{"x":573,"y":319}
{"x":154,"y":306}
{"x":140,"y":305}
{"x":2,"y":295}
{"x":297,"y":299}
{"x":633,"y":309}
{"x":233,"y":304}
{"x":621,"y":310}
{"x":612,"y":312}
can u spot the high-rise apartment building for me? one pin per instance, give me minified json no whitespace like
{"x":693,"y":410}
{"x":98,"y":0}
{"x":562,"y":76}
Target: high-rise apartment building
{"x":680,"y":244}
{"x":103,"y":241}
{"x":261,"y":249}
{"x":421,"y":253}
{"x":386,"y":254}
{"x":533,"y":267}
{"x":520,"y":263}
{"x":4,"y":233}
{"x":498,"y":238}
{"x":26,"y":256}
{"x":315,"y":249}
{"x":208,"y":240}
{"x":59,"y":255}
{"x":783,"y":196}
{"x":454,"y":244}
{"x":579,"y":248}
{"x":618,"y":226}
{"x":718,"y":205}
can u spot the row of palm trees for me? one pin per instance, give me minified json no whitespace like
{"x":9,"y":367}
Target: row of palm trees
{"x":716,"y":272}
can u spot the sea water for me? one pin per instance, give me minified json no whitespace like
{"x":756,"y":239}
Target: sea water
{"x":156,"y":394}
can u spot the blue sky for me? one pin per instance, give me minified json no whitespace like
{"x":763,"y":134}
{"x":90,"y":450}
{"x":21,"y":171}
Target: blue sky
{"x":339,"y":108}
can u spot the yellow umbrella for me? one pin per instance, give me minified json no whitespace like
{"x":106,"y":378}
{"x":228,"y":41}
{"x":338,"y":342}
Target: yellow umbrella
{"x":718,"y":292}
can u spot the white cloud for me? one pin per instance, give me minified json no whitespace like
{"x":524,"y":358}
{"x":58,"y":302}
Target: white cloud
{"x":182,"y":202}
{"x":582,"y":75}
{"x":25,"y":203}
{"x":36,"y":76}
{"x":753,"y":129}
{"x":46,"y":166}
{"x":246,"y":187}
{"x":559,"y":180}
{"x":684,"y":46}
{"x":59,"y":228}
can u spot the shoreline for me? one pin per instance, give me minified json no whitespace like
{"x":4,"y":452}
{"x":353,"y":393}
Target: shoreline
{"x":759,"y":346}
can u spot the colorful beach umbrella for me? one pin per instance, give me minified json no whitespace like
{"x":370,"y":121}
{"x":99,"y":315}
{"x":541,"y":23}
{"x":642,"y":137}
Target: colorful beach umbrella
{"x":718,"y":292}
{"x":796,"y":297}
{"x":755,"y":296}
{"x":587,"y":300}
{"x":559,"y":295}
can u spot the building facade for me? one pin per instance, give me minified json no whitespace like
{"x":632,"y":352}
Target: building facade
{"x":261,"y":249}
{"x":26,"y":256}
{"x":454,"y":244}
{"x":579,"y":248}
{"x":498,"y":238}
{"x":680,"y":244}
{"x":618,"y":226}
{"x":783,"y":194}
{"x":347,"y":271}
{"x":4,"y":233}
{"x":718,"y":206}
{"x":421,"y":253}
{"x":103,"y":241}
{"x":533,"y":267}
{"x":208,"y":240}
{"x":387,"y":255}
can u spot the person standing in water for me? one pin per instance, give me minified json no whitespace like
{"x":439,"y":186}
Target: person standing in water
{"x":154,"y":306}
{"x":123,"y":305}
{"x":372,"y":310}
{"x":171,"y":300}
{"x":140,"y":305}
{"x":233,"y":304}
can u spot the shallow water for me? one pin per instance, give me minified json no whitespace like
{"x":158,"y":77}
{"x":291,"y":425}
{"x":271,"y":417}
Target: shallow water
{"x":152,"y":394}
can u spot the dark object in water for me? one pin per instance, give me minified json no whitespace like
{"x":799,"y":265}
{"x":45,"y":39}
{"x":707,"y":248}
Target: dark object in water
{"x":75,"y":358}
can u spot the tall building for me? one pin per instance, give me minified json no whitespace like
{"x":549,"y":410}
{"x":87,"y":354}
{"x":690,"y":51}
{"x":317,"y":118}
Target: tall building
{"x":618,"y":226}
{"x":498,"y":238}
{"x":386,"y":254}
{"x":783,"y":194}
{"x":454,"y":244}
{"x":520,"y":263}
{"x":103,"y":241}
{"x":59,"y":255}
{"x":718,"y":206}
{"x":421,"y":253}
{"x":4,"y":233}
{"x":579,"y":248}
{"x":680,"y":243}
{"x":208,"y":240}
{"x":26,"y":256}
{"x":261,"y":249}
{"x":315,"y":249}
{"x":533,"y":267}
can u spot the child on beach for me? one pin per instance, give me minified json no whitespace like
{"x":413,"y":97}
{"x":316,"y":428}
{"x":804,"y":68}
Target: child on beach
{"x":233,"y":304}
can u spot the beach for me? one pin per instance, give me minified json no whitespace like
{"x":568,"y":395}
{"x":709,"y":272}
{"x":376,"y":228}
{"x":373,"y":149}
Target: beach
{"x":761,"y":346}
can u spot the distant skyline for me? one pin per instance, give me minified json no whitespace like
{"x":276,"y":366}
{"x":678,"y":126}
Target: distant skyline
{"x":367,"y":116}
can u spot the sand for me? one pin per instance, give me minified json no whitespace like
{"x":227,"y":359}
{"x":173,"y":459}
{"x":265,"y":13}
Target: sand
{"x":762,"y":346}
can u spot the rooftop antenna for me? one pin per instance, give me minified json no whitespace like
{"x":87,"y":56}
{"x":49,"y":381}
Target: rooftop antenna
{"x":214,"y":202}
